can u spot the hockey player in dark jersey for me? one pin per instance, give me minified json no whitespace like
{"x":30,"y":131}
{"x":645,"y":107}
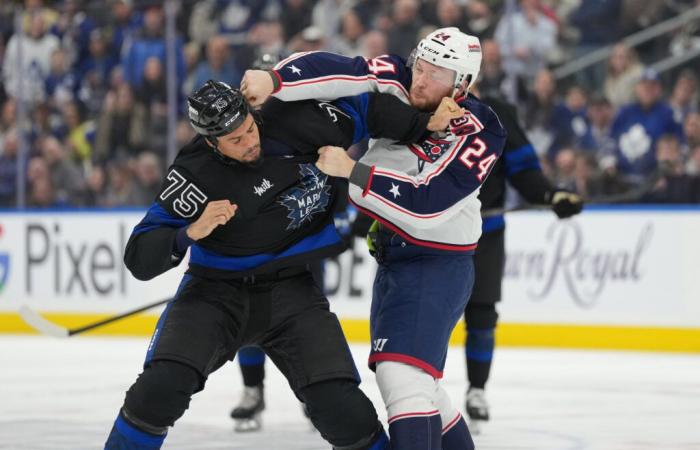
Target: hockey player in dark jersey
{"x":246,"y":199}
{"x":520,"y":167}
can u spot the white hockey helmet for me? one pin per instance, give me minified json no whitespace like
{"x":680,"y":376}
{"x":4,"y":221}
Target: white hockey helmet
{"x":454,"y":50}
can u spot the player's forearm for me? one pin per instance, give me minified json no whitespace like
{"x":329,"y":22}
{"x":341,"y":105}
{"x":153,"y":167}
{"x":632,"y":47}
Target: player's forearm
{"x":389,"y":117}
{"x":154,"y":252}
{"x":532,"y":185}
{"x":322,"y":76}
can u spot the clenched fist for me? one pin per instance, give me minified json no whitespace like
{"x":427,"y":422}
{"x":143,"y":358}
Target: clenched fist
{"x":257,"y":86}
{"x":334,"y":161}
{"x":445,"y":112}
{"x":215,"y":213}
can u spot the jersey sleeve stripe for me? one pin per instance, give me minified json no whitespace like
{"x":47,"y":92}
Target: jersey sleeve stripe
{"x":365,"y":191}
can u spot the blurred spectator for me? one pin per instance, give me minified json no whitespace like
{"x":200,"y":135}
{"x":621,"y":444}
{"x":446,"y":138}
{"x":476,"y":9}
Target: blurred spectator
{"x":538,"y":112}
{"x":153,"y":96}
{"x":569,"y":122}
{"x":565,"y":169}
{"x":40,"y":192}
{"x":675,"y":186}
{"x":37,"y":47}
{"x":149,"y":43}
{"x":326,"y":15}
{"x":124,"y":24}
{"x":61,"y":83}
{"x":373,"y":44}
{"x":598,"y":139}
{"x":80,"y":132}
{"x":66,"y":177}
{"x":623,"y":72}
{"x":296,"y":17}
{"x":95,"y":186}
{"x":525,"y":37}
{"x":121,"y":129}
{"x":8,"y":168}
{"x":684,"y":97}
{"x":119,"y":184}
{"x":309,"y":40}
{"x":73,"y":28}
{"x":348,"y":42}
{"x":264,"y":38}
{"x":449,"y":13}
{"x":406,"y":24}
{"x":232,"y":18}
{"x":693,"y":165}
{"x":95,"y":72}
{"x":192,"y":54}
{"x":218,"y":65}
{"x":639,"y":125}
{"x":691,"y":132}
{"x":148,"y":179}
{"x":481,"y":19}
{"x":597,"y":23}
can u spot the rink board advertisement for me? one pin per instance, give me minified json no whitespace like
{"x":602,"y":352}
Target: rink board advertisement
{"x":613,"y":275}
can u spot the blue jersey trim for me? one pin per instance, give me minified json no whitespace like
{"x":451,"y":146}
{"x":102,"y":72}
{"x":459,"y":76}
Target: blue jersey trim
{"x":202,"y":257}
{"x":356,"y":107}
{"x":157,"y":217}
{"x":523,"y":158}
{"x":493,"y":223}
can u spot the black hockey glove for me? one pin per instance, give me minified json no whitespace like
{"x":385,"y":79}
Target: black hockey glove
{"x":564,"y":203}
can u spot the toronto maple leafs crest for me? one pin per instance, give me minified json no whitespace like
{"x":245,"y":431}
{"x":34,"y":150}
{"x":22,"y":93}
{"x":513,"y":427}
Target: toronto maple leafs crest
{"x":308,"y":198}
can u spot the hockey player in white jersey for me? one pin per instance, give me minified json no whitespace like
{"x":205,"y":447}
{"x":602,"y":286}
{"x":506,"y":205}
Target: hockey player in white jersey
{"x":424,"y":198}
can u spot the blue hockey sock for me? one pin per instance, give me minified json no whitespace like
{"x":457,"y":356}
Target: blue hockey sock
{"x":479,"y":348}
{"x":456,"y":436}
{"x":125,"y":436}
{"x":416,"y":432}
{"x":252,"y":361}
{"x":381,"y":442}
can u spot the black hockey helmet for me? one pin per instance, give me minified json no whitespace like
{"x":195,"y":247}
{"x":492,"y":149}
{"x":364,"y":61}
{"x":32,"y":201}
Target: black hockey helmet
{"x":217,"y":109}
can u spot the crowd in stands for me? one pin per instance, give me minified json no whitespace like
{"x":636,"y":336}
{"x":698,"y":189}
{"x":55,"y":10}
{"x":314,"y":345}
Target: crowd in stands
{"x":90,"y":80}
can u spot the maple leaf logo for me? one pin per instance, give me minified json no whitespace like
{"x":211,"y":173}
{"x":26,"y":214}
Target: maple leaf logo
{"x":308,"y":198}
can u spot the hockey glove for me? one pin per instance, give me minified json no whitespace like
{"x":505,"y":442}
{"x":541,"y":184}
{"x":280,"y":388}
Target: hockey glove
{"x":564,"y":203}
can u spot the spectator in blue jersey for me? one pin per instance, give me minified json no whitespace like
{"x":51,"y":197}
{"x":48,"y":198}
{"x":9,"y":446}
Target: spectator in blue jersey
{"x":8,"y":168}
{"x":61,"y":83}
{"x":219,"y":64}
{"x":124,"y":23}
{"x":73,"y":28}
{"x":150,"y":42}
{"x":639,"y":125}
{"x":598,"y":139}
{"x":568,"y":121}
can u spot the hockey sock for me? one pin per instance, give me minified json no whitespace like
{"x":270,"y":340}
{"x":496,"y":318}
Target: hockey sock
{"x":416,"y":432}
{"x":381,"y":443}
{"x":252,"y":362}
{"x":456,"y":435}
{"x":125,"y":435}
{"x":480,"y":345}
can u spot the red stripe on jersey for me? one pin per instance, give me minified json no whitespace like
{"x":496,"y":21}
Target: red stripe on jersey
{"x":413,"y":414}
{"x":406,"y":359}
{"x":411,"y":239}
{"x":452,"y":423}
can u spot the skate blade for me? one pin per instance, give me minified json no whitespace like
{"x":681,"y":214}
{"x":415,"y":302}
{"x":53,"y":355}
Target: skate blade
{"x":247,"y":425}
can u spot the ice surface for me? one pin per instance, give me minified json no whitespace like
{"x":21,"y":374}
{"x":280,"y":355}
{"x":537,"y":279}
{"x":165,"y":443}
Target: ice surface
{"x":64,"y":394}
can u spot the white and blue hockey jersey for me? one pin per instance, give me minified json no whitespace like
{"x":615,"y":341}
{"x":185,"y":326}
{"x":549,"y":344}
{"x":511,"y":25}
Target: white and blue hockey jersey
{"x":426,"y":192}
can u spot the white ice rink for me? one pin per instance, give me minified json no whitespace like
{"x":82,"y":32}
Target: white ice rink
{"x":64,"y":395}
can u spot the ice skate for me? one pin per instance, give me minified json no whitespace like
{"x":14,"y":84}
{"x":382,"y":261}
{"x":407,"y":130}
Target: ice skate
{"x":247,"y":415}
{"x":477,"y":409}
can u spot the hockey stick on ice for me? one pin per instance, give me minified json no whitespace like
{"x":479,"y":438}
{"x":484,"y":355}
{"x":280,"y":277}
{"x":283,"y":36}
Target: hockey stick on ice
{"x":39,"y":323}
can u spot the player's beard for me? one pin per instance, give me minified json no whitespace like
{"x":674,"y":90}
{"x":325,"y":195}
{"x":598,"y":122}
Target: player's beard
{"x":257,"y":162}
